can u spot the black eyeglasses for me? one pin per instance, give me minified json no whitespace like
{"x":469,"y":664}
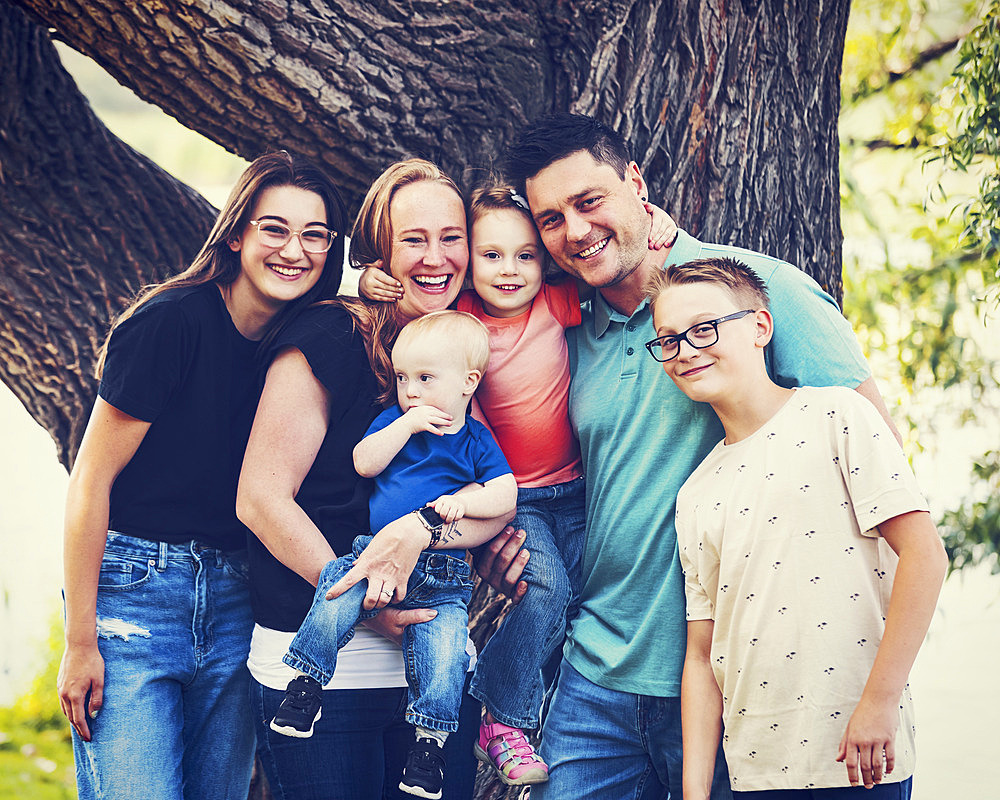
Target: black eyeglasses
{"x":700,"y":336}
{"x":312,"y":239}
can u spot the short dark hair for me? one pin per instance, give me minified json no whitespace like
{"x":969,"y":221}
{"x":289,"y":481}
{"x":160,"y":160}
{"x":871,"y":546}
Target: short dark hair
{"x":556,"y":136}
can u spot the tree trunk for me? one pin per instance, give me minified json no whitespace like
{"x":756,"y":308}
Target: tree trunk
{"x":731,"y":106}
{"x":84,"y":222}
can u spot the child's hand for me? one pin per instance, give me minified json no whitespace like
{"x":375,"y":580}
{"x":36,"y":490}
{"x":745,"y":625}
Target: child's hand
{"x":871,"y":731}
{"x":378,"y":285}
{"x":450,"y":507}
{"x":663,"y":229}
{"x":427,"y":418}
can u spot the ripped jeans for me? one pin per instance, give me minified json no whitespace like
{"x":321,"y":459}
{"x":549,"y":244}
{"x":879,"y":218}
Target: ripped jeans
{"x":174,"y":627}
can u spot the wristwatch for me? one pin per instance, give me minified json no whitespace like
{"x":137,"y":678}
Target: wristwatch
{"x":432,"y":521}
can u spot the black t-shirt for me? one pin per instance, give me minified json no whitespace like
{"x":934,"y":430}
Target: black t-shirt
{"x":180,"y":364}
{"x":332,"y":493}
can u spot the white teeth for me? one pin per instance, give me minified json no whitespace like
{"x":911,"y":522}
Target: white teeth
{"x":508,"y":287}
{"x":288,"y":272}
{"x":596,"y":248}
{"x":427,"y":280}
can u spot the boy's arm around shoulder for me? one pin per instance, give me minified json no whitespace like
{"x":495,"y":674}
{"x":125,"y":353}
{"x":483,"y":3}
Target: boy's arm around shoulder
{"x":922,"y":566}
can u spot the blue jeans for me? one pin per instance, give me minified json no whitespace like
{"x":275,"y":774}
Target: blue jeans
{"x":881,"y":791}
{"x":617,"y":745}
{"x":173,"y":627}
{"x":508,"y":677}
{"x":434,"y":651}
{"x":358,"y":747}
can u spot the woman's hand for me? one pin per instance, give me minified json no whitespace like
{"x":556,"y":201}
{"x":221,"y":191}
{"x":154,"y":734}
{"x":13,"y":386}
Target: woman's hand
{"x":386,"y":563}
{"x":375,"y":284}
{"x":111,"y":439}
{"x":81,"y":671}
{"x":391,"y":622}
{"x":501,"y":561}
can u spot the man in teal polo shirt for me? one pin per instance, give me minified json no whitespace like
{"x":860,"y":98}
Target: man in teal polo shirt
{"x":613,"y":730}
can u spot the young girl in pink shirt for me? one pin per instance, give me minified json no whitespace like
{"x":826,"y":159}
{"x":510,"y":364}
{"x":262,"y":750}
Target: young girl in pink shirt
{"x":526,"y":304}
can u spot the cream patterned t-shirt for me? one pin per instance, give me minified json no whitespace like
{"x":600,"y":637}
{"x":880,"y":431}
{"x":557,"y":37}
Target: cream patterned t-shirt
{"x":778,"y":541}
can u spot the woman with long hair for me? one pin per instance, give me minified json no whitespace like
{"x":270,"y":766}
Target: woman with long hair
{"x":158,"y":622}
{"x":300,"y":495}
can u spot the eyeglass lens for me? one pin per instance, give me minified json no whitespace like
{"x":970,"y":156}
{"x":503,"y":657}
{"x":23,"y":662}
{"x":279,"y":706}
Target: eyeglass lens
{"x":314,"y":239}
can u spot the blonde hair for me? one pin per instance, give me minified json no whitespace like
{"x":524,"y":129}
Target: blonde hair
{"x":497,"y":194}
{"x":217,"y":263}
{"x":741,"y":281}
{"x":457,"y":329}
{"x":371,"y":241}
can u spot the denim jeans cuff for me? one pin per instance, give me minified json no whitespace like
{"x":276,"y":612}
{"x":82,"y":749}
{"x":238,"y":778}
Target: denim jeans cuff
{"x":524,"y":723}
{"x":306,"y":667}
{"x":431,"y":723}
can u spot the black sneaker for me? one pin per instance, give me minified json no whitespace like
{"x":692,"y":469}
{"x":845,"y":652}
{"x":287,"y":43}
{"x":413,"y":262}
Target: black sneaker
{"x":300,"y":708}
{"x":423,"y":774}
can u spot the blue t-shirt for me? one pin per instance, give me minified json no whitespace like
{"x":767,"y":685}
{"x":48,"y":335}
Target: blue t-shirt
{"x":429,"y":466}
{"x":640,"y":438}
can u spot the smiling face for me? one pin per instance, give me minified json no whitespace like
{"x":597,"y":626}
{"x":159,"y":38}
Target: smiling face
{"x":506,"y":262}
{"x":433,"y":371}
{"x":592,"y":221}
{"x":721,"y":372}
{"x":270,"y":277}
{"x":429,"y":251}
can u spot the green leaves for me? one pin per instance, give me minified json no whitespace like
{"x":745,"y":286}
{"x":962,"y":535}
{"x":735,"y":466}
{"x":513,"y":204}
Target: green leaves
{"x":975,"y":138}
{"x":920,"y":134}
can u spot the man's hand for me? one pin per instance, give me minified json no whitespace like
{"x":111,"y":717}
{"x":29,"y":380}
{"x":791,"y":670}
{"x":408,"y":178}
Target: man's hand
{"x":501,"y":561}
{"x":427,"y":418}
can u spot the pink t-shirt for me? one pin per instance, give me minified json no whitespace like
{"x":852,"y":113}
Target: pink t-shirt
{"x":525,"y":392}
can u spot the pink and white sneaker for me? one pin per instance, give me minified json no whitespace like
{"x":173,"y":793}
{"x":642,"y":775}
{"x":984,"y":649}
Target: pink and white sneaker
{"x":506,"y":750}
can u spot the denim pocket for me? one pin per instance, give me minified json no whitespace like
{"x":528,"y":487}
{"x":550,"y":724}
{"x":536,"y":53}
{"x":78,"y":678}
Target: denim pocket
{"x":437,"y":572}
{"x":236,"y":566}
{"x":119,"y":574}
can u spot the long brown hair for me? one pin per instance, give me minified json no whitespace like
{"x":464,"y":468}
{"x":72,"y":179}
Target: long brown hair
{"x":217,"y":263}
{"x":371,"y":241}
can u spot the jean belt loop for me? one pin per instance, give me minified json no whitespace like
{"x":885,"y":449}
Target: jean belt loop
{"x":161,"y":561}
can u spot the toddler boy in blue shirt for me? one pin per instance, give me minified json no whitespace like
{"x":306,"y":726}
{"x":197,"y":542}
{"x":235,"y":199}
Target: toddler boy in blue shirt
{"x":421,"y":453}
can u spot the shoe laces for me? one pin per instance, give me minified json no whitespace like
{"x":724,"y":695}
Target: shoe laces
{"x":299,"y":698}
{"x":426,"y":757}
{"x":518,"y":748}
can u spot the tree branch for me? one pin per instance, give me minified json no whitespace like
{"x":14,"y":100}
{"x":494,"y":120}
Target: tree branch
{"x":84,"y":222}
{"x":872,"y":85}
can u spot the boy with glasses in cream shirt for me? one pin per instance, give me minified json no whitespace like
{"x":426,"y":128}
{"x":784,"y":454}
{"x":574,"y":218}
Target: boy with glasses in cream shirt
{"x":812,"y":567}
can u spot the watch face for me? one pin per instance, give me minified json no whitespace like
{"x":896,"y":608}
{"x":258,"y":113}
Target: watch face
{"x":430,"y":517}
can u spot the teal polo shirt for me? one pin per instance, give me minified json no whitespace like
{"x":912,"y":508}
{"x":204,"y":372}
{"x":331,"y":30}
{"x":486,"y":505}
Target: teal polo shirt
{"x":640,"y":439}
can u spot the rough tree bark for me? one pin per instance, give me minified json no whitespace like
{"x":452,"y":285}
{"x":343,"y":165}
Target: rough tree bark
{"x":731,"y":106}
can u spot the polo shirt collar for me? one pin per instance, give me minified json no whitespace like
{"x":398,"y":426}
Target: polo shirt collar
{"x":686,"y":248}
